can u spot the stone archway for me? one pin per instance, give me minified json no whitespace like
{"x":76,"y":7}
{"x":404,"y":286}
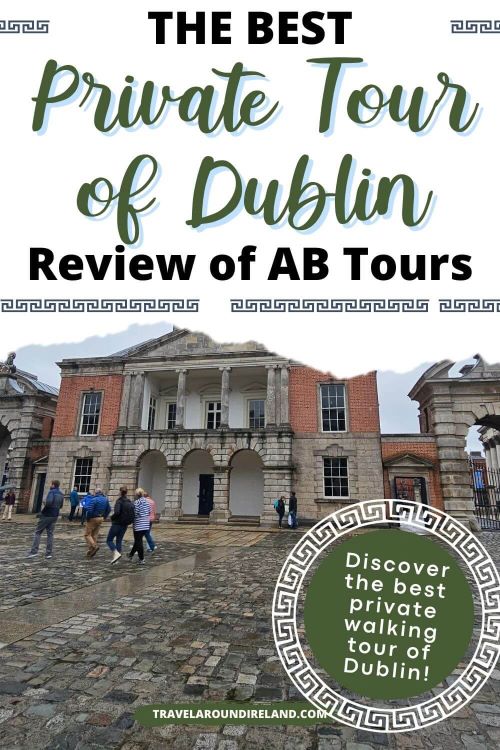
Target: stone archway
{"x":152,"y":476}
{"x":449,"y":406}
{"x":197,"y":483}
{"x":246,"y":484}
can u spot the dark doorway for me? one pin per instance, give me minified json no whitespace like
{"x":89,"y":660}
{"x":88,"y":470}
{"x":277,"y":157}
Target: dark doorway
{"x":411,"y":488}
{"x":206,"y":496}
{"x":40,"y":486}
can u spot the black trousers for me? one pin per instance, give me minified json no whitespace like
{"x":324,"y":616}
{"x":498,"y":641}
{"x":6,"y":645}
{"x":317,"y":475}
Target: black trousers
{"x":138,"y":544}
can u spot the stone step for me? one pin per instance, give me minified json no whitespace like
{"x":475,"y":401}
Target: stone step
{"x":188,"y":518}
{"x":244,"y":520}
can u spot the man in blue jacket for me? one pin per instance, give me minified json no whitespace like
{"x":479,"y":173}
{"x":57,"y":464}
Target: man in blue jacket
{"x":96,"y":510}
{"x":47,"y":519}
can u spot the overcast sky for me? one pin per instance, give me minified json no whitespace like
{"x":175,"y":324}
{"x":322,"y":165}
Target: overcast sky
{"x":397,"y":412}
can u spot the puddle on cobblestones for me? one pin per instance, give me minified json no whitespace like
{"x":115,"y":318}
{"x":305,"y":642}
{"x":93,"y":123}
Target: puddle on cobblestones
{"x":19,"y":622}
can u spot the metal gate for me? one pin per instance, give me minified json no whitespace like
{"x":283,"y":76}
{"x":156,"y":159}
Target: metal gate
{"x":486,"y":488}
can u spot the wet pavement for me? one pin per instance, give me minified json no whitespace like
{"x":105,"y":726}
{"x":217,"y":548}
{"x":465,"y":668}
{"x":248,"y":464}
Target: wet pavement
{"x":86,"y":643}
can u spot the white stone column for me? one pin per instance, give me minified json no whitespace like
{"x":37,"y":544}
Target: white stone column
{"x":496,"y":442}
{"x":487,"y":456}
{"x":493,"y":455}
{"x":224,"y":400}
{"x":181,"y":398}
{"x":271,"y":396}
{"x":285,"y":414}
{"x":125,"y":400}
{"x":134,"y":417}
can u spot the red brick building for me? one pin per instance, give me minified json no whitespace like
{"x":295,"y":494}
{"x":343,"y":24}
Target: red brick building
{"x":221,"y":430}
{"x":217,"y":430}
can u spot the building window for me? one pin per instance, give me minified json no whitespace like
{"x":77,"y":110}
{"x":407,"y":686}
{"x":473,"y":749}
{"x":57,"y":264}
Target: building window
{"x":83,"y":474}
{"x":335,"y":477}
{"x":213,"y":415}
{"x":333,"y":407}
{"x":152,"y":413}
{"x":256,"y":414}
{"x":91,"y":412}
{"x":171,"y":415}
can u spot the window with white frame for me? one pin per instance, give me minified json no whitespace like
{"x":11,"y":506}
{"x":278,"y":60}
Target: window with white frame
{"x":171,"y":415}
{"x":152,"y":413}
{"x":256,"y":413}
{"x":333,"y":411}
{"x":336,"y":477}
{"x":91,"y":413}
{"x":83,"y":474}
{"x":213,"y":415}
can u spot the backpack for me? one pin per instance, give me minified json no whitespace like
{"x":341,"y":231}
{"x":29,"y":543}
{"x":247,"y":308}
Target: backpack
{"x":125,"y":516}
{"x":276,"y":502}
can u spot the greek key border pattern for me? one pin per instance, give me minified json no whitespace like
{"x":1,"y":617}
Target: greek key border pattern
{"x":468,"y":26}
{"x":329,"y":305}
{"x":31,"y":26}
{"x":98,"y":305}
{"x":285,"y":603}
{"x":469,"y":305}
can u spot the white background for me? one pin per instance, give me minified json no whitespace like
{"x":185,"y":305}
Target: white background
{"x":41,"y":175}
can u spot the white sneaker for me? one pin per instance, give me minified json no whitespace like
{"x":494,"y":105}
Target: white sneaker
{"x":116,"y":556}
{"x":33,"y":554}
{"x":48,"y":557}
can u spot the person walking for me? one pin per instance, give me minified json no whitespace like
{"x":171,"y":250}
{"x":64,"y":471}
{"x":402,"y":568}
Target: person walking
{"x":279,"y":507}
{"x":123,"y":516}
{"x":152,"y":517}
{"x":96,"y":510}
{"x":73,"y":501}
{"x":9,"y":502}
{"x":47,"y":520}
{"x":141,"y":524}
{"x":83,"y":505}
{"x":292,"y":509}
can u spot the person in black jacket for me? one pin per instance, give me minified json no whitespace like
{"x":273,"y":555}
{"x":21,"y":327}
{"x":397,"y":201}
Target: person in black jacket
{"x":280,"y":510}
{"x":292,"y":509}
{"x":123,"y":516}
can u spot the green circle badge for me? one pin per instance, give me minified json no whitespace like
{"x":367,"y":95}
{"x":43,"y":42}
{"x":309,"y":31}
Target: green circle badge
{"x":389,"y":614}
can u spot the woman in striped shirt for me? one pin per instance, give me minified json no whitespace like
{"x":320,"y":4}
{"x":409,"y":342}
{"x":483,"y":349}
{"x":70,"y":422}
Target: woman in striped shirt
{"x":141,"y":524}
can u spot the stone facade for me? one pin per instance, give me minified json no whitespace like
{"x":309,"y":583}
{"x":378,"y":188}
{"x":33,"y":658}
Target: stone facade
{"x":156,"y":428}
{"x":27,"y":412}
{"x":449,"y":406}
{"x":359,"y":443}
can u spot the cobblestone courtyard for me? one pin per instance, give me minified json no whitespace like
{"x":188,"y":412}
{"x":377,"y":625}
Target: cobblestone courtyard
{"x":85,"y":643}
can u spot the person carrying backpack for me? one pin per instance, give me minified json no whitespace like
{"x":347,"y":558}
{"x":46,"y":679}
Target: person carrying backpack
{"x":47,"y":519}
{"x":123,"y":516}
{"x":279,"y":507}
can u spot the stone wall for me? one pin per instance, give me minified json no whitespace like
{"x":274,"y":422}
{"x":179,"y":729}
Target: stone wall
{"x":362,"y":451}
{"x":274,"y":446}
{"x":65,"y":451}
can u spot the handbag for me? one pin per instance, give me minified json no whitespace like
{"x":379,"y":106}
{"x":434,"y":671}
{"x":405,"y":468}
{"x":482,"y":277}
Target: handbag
{"x":290,"y":520}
